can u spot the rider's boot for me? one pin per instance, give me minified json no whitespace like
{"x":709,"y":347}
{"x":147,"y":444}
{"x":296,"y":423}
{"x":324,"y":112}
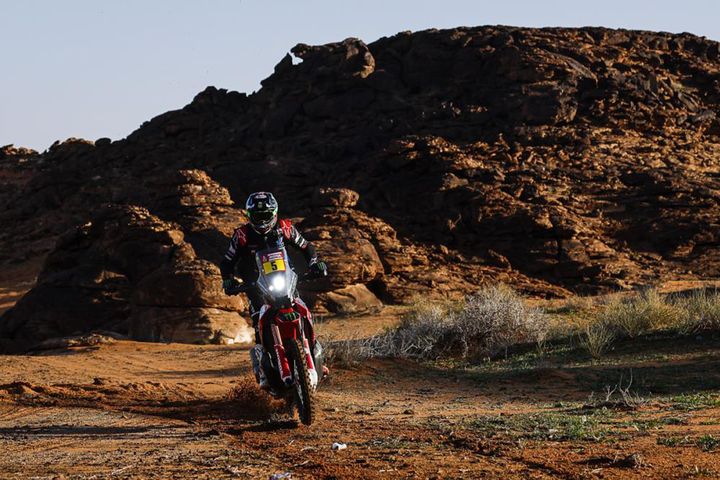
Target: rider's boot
{"x":256,"y":355}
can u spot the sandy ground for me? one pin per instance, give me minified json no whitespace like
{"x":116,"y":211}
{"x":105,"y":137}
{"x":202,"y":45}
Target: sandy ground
{"x":140,"y":410}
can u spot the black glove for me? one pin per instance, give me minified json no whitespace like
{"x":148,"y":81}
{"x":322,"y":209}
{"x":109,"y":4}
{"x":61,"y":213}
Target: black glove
{"x":228,"y":284}
{"x":319,"y":268}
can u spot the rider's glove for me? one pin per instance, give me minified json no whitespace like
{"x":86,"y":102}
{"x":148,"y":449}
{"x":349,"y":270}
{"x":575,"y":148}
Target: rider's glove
{"x":319,"y":268}
{"x":229,"y":283}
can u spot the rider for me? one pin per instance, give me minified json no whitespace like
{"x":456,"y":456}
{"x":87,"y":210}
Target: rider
{"x":263,"y":230}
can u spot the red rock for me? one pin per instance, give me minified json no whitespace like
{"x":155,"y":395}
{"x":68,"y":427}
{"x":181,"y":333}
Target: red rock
{"x":569,"y":153}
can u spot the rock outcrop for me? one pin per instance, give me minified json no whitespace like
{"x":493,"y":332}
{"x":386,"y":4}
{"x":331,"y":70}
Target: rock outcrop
{"x":556,"y":160}
{"x":126,"y":270}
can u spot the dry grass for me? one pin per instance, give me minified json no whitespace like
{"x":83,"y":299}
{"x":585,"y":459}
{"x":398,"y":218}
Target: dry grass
{"x":597,"y":338}
{"x":649,"y":311}
{"x":639,"y":314}
{"x":495,"y":319}
{"x":621,"y":396}
{"x":701,"y":311}
{"x":482,"y":326}
{"x":627,"y":317}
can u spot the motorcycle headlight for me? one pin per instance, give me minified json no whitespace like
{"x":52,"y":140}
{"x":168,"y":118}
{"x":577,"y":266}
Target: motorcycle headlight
{"x":278,"y":283}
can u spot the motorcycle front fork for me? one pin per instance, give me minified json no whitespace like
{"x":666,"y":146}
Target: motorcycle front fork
{"x":284,"y":365}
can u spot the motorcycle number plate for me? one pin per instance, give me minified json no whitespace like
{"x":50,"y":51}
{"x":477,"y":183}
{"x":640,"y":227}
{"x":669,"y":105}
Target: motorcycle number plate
{"x":273,"y":263}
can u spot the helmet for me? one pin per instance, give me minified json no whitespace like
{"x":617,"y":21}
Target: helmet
{"x":262,"y":209}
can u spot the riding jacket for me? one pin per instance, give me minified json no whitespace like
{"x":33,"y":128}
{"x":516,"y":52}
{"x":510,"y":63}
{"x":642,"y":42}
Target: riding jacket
{"x":240,"y":255}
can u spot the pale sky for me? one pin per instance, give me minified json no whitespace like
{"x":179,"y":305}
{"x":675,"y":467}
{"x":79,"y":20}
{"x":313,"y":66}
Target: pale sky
{"x":99,"y":68}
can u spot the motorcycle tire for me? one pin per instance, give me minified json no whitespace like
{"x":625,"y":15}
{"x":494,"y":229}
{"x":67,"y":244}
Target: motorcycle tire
{"x":305,"y":398}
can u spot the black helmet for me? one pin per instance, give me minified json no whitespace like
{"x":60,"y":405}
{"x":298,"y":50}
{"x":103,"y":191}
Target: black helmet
{"x":262,"y":209}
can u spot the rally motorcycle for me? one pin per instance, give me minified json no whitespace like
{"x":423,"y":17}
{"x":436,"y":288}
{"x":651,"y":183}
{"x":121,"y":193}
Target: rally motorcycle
{"x":293,"y":357}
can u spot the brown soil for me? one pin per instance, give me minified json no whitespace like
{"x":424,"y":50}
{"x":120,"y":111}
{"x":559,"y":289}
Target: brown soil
{"x":142,"y":410}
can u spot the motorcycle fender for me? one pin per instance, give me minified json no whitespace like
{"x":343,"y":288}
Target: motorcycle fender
{"x":287,"y":330}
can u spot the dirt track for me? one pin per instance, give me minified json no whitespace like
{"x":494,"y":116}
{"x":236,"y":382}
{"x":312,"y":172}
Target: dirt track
{"x":138,"y":410}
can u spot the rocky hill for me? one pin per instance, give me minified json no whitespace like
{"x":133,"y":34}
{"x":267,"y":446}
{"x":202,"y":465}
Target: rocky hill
{"x":556,"y":160}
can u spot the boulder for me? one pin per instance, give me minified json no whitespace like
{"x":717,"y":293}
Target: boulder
{"x":351,"y":299}
{"x":189,"y":325}
{"x":335,"y":197}
{"x":126,"y":271}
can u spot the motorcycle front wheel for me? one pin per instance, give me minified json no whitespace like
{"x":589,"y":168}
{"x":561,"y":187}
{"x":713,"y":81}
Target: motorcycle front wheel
{"x":305,"y":398}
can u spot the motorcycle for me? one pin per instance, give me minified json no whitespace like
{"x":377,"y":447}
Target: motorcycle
{"x":293,"y":359}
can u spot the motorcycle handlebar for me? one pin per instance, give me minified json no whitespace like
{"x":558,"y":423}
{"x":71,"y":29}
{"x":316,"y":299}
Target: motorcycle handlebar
{"x":246,"y":287}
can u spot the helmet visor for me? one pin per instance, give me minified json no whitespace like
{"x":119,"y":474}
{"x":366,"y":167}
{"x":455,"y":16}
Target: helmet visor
{"x":262,"y":217}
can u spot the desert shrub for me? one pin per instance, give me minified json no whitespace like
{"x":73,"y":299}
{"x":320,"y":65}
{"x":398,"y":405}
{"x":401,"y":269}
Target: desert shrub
{"x":351,"y":351}
{"x":495,"y":319}
{"x":597,"y":338}
{"x":481,"y":326}
{"x":701,"y":311}
{"x":639,"y":314}
{"x":648,"y":311}
{"x":628,"y":317}
{"x":393,"y":342}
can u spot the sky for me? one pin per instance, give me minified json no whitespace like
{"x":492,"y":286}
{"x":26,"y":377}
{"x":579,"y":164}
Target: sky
{"x":100,"y":68}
